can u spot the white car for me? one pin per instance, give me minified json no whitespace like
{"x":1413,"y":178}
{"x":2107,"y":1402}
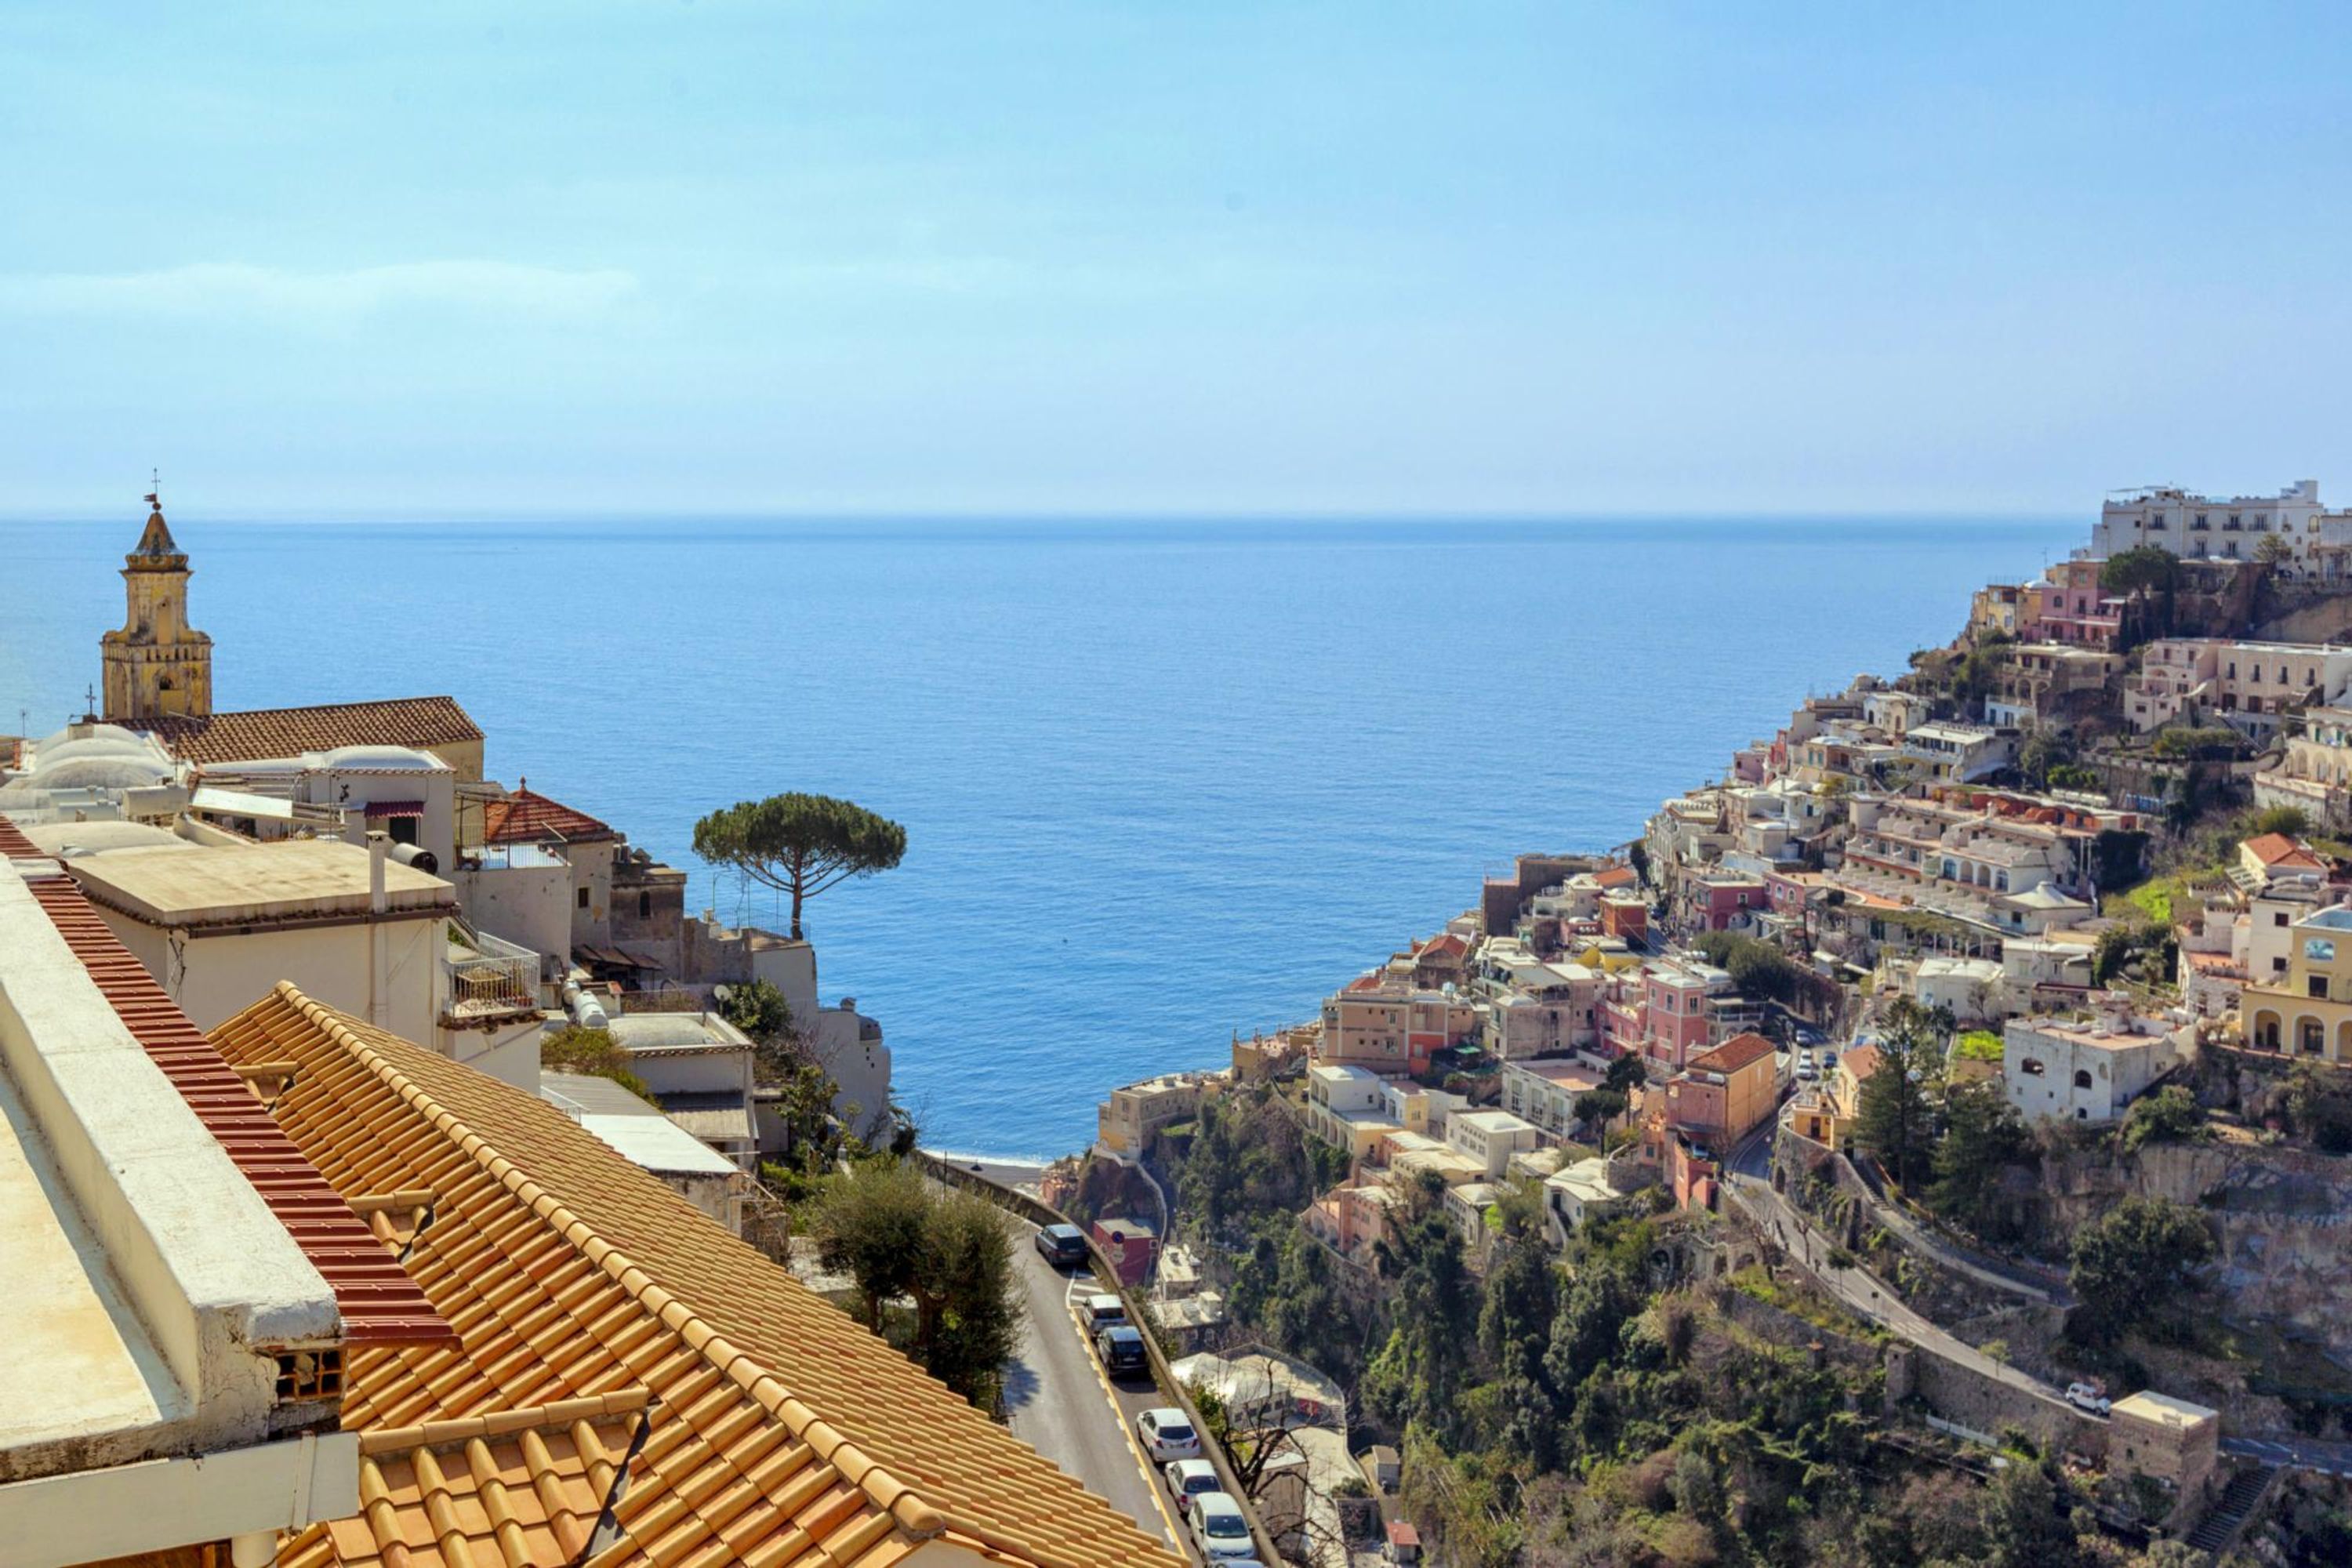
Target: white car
{"x":1188,"y":1478}
{"x":2086,"y":1396}
{"x":1218,"y":1526}
{"x":1167,"y":1432}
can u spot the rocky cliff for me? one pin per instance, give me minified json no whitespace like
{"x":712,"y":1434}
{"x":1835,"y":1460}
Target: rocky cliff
{"x":2282,"y":1218}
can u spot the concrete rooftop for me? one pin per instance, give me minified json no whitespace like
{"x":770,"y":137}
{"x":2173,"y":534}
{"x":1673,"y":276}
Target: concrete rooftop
{"x":248,"y":883}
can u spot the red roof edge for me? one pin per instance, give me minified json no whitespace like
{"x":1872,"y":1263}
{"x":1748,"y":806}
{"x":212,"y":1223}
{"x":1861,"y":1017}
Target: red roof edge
{"x":377,"y":1301}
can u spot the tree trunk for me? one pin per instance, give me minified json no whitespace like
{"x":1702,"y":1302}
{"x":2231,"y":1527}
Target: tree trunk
{"x":799,"y":885}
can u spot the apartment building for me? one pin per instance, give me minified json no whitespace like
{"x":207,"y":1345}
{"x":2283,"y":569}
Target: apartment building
{"x":1490,"y":1138}
{"x":1378,"y":1023}
{"x":2222,"y":527}
{"x":1963,"y":753}
{"x":1545,"y":1092}
{"x":2306,"y":1011}
{"x":2039,"y":680}
{"x":2089,"y":1068}
{"x":1348,"y":1108}
{"x":2248,"y":685}
{"x":2069,"y":607}
{"x":2315,"y":774}
{"x":1723,"y":1094}
{"x":1128,"y":1117}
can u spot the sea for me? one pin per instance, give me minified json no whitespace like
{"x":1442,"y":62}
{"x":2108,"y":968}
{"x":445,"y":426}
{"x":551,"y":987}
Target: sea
{"x":1162,"y":781}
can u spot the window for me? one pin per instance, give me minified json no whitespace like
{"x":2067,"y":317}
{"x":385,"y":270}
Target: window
{"x":402,"y":829}
{"x":2319,"y":950}
{"x":2031,"y":1068}
{"x":2315,"y":986}
{"x":583,"y":898}
{"x":645,"y":906}
{"x":2278,"y":918}
{"x":2081,"y":1078}
{"x":2313,"y":1034}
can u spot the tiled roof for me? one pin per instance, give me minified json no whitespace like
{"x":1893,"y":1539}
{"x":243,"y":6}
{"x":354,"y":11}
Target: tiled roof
{"x":1735,"y":1053}
{"x":419,"y":722}
{"x":778,"y":1433}
{"x":377,"y":1302}
{"x":2278,"y":849}
{"x":527,"y":816}
{"x":1860,"y":1062}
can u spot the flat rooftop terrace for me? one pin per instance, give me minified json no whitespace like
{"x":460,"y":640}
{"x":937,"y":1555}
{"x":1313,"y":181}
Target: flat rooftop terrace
{"x":241,"y":884}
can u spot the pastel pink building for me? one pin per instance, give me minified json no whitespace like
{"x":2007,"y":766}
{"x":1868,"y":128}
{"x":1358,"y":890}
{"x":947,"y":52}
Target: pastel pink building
{"x":2069,"y":607}
{"x":1727,"y":901}
{"x":1659,"y":1013}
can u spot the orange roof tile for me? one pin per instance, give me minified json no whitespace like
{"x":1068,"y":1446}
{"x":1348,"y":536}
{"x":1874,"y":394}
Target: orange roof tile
{"x":1861,"y":1062}
{"x":527,"y":816}
{"x":1740,"y":1051}
{"x":2278,"y":849}
{"x":418,"y":722}
{"x":778,"y":1433}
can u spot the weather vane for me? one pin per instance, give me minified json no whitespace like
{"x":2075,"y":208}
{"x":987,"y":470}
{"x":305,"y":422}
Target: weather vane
{"x":155,"y":487}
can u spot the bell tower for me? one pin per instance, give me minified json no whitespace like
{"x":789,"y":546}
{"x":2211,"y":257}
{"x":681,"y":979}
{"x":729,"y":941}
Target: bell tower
{"x":157,"y":667}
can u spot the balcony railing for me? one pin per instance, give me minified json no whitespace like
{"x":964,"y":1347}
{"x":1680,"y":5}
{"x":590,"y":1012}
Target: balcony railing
{"x":496,"y":978}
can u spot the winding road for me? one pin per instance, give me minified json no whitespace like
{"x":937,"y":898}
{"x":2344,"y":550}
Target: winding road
{"x":1061,"y":1403}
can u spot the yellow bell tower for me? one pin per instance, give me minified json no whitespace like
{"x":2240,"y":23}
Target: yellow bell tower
{"x":157,"y":665}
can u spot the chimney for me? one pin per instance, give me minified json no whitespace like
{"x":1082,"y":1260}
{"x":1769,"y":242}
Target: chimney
{"x":379,"y":967}
{"x":379,"y":847}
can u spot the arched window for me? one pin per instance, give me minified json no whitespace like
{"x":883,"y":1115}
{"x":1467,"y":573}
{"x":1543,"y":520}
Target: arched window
{"x":2311,"y":1036}
{"x":2082,"y":1079}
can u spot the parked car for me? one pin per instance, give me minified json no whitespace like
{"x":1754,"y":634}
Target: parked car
{"x":1064,"y":1246}
{"x":1102,"y":1310}
{"x":1219,"y":1527}
{"x":1186,"y":1478}
{"x":1167,"y":1432}
{"x":1807,"y":1072}
{"x":1121,"y":1348}
{"x":2086,"y":1396}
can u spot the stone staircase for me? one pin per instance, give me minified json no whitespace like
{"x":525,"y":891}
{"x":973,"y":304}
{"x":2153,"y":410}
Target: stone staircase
{"x":2222,"y":1521}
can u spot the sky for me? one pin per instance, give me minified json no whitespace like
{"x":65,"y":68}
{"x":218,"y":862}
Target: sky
{"x":1355,"y":259}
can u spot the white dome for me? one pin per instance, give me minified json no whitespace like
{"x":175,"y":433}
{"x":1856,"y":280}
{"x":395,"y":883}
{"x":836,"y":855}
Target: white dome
{"x":376,"y":757}
{"x":77,"y":734}
{"x":99,"y":772}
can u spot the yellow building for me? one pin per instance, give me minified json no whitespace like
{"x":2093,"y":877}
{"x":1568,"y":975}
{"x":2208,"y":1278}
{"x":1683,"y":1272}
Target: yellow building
{"x":2307,"y":1012}
{"x":157,"y":665}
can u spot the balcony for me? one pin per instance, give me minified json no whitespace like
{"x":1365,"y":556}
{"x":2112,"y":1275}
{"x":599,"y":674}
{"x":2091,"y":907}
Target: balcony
{"x":487,"y":977}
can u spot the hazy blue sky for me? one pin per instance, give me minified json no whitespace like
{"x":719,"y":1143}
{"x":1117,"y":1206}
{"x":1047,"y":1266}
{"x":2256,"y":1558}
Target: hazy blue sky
{"x":1168,"y":258}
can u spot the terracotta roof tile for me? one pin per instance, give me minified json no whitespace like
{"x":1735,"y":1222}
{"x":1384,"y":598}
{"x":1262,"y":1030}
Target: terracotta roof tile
{"x":527,"y":816}
{"x":418,"y":722}
{"x":778,"y":1432}
{"x":377,"y":1302}
{"x":1740,"y":1051}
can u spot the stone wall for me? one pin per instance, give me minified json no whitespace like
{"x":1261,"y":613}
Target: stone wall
{"x":1960,"y":1393}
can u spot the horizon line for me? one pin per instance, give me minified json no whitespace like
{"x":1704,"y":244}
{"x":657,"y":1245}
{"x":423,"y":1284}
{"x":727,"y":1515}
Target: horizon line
{"x":275,"y":517}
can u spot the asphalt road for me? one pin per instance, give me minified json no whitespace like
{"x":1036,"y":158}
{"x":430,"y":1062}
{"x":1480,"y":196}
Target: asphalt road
{"x":1061,"y":1404}
{"x":2300,"y":1453}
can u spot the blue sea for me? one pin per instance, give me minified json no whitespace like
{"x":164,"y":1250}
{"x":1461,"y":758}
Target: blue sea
{"x":1161,"y":782}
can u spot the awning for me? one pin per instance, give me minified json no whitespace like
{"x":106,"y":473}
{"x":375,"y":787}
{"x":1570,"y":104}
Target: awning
{"x":596,"y":957}
{"x":381,"y":808}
